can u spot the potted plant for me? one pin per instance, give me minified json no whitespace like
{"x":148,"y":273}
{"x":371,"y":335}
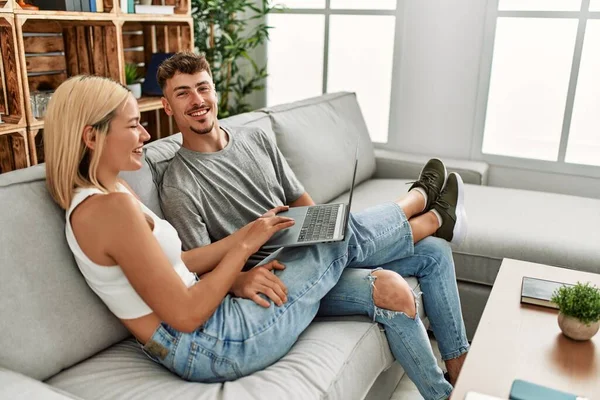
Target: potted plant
{"x":132,"y":78}
{"x":579,"y":306}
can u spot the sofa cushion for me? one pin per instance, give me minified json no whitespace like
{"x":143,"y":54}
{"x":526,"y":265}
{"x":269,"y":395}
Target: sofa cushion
{"x":545,"y":228}
{"x":15,"y":386}
{"x":52,"y":319}
{"x":318,"y":138}
{"x":335,"y":360}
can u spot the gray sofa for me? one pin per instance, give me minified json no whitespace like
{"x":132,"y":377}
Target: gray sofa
{"x":60,"y":341}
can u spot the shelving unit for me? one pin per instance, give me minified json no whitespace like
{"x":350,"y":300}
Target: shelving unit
{"x":41,"y":49}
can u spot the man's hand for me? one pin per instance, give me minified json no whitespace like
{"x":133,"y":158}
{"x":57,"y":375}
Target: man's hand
{"x":258,"y":280}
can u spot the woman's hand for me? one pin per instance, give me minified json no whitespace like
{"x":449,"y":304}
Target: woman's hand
{"x":264,"y":227}
{"x":258,"y":280}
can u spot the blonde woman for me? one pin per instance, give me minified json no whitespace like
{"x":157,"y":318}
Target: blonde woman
{"x":133,"y":261}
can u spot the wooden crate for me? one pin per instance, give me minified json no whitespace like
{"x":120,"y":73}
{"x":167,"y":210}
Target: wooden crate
{"x":142,"y":39}
{"x":54,"y":50}
{"x":35,"y":143}
{"x":12,"y":106}
{"x":6,"y":6}
{"x":14,"y":151}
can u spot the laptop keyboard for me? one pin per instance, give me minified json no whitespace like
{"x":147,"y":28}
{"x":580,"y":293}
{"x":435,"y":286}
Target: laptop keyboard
{"x":319,"y":223}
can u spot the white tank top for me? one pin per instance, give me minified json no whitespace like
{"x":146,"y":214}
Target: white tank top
{"x":109,"y":282}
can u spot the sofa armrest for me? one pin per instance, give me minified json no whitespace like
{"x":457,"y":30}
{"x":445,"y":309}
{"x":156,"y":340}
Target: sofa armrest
{"x":17,"y":386}
{"x":398,"y":165}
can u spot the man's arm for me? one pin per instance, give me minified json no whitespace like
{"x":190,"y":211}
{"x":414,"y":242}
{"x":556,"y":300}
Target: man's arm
{"x":303,"y":200}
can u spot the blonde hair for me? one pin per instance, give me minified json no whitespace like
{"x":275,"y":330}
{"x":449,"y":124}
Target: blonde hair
{"x":78,"y":102}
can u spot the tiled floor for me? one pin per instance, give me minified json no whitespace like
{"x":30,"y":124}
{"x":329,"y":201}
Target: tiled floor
{"x":406,"y":390}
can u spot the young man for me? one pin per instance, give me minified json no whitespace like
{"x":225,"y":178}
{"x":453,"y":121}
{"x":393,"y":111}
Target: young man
{"x":222,"y":179}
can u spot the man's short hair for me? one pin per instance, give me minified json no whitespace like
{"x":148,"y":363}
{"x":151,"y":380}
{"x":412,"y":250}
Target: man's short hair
{"x":184,"y":63}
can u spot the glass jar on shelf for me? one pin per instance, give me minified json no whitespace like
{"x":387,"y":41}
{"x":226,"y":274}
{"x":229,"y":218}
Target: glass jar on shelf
{"x":39,"y":103}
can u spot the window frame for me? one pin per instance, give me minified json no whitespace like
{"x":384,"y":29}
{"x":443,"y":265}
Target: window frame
{"x":327,"y":11}
{"x":485,"y":69}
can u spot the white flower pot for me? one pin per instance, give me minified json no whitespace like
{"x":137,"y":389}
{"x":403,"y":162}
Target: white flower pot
{"x":575,"y":329}
{"x":136,"y":89}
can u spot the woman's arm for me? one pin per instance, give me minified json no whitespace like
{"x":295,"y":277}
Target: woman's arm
{"x":126,"y":238}
{"x":203,"y":259}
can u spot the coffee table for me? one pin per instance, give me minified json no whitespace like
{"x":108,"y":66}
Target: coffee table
{"x":515,"y":341}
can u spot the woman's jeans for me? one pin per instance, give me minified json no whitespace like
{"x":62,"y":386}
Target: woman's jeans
{"x":242,"y":337}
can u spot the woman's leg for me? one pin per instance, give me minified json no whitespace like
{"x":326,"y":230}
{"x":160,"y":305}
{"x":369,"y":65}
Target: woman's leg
{"x":386,"y":298}
{"x":432,"y":264}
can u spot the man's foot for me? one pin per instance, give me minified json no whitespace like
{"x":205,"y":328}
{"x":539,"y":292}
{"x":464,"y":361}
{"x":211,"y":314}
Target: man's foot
{"x":431,"y":180}
{"x":450,"y":206}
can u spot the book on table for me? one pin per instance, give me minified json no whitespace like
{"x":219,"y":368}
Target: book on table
{"x":524,"y":390}
{"x":539,"y":291}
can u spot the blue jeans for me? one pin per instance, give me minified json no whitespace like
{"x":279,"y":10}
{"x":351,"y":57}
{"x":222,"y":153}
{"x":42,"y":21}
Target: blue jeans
{"x":432,"y":263}
{"x":241,"y":337}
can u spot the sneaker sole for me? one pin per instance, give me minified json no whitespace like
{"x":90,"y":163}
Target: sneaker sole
{"x":459,"y":232}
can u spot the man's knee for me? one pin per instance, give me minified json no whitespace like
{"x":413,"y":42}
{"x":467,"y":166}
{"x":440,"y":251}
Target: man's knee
{"x":436,"y":247}
{"x":392,"y":292}
{"x":437,"y":255}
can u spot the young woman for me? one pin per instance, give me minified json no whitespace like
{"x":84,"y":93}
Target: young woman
{"x":133,"y":261}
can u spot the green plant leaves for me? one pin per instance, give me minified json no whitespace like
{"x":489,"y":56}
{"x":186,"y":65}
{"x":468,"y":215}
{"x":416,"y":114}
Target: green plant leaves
{"x":581,"y":301}
{"x":131,"y":73}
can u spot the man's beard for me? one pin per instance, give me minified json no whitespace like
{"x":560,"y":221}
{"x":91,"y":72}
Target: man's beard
{"x":203,"y":131}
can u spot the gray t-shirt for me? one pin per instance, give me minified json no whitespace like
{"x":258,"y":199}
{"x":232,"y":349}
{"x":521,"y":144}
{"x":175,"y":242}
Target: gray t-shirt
{"x":208,"y":196}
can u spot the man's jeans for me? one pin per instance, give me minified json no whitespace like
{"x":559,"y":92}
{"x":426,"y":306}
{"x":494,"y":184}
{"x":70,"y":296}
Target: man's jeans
{"x":433,"y":265}
{"x":241,"y":337}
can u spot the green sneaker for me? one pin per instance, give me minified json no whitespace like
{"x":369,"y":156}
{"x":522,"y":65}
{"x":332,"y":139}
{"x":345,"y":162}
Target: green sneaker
{"x":432,"y":179}
{"x":450,"y":205}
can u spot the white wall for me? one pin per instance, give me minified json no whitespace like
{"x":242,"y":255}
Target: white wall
{"x":434,"y":94}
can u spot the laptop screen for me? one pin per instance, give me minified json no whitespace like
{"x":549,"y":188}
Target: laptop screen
{"x":351,"y":190}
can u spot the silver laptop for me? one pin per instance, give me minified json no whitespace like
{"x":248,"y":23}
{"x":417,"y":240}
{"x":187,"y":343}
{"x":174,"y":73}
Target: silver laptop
{"x":322,"y":223}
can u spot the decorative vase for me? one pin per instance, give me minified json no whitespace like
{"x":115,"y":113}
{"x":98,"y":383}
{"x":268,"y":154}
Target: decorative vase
{"x":575,"y":329}
{"x":136,"y":89}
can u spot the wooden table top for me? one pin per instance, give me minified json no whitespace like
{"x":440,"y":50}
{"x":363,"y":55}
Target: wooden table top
{"x":515,"y":341}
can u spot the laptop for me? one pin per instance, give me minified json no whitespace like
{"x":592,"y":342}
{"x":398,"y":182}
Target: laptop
{"x":323,"y":223}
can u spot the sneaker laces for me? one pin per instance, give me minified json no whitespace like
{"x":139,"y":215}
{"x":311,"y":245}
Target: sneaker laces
{"x":427,"y":180}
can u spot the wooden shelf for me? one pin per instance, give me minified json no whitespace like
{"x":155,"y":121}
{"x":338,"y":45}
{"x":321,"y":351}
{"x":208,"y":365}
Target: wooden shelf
{"x":66,"y":15}
{"x":41,"y":49}
{"x":6,"y":128}
{"x":157,"y":19}
{"x":103,"y":16}
{"x":149,"y":103}
{"x":14,"y":151}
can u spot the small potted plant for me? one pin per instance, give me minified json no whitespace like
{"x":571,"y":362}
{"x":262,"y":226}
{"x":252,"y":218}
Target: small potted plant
{"x":132,"y":78}
{"x":579,"y":306}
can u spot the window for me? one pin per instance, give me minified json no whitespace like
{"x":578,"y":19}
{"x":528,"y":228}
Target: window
{"x":320,"y":46}
{"x":540,"y":85}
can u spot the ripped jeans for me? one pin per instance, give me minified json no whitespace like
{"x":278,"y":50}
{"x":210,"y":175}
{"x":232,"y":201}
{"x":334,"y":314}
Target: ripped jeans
{"x":433,"y":265}
{"x":242,"y":337}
